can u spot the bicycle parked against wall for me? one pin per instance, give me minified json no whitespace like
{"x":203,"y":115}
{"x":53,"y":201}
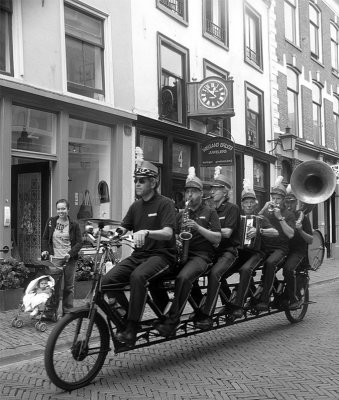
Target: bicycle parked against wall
{"x":79,"y":343}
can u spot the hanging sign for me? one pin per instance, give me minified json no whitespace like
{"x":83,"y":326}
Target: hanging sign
{"x":217,"y":151}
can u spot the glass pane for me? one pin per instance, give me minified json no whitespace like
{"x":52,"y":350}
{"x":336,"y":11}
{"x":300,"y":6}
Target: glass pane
{"x":291,"y":105}
{"x":33,"y":130}
{"x":289,"y":22}
{"x":83,"y":26}
{"x":258,"y":174}
{"x":181,"y":158}
{"x":292,"y":80}
{"x":252,"y":101}
{"x":316,"y":94}
{"x":89,"y":169}
{"x":84,"y":64}
{"x":5,"y":50}
{"x":171,"y":61}
{"x":153,"y":149}
{"x":314,"y":15}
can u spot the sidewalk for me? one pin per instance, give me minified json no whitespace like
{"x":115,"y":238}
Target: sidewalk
{"x":18,"y":344}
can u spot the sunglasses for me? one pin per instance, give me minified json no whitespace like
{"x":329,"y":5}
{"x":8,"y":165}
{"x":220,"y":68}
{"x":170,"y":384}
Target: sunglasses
{"x":140,"y":180}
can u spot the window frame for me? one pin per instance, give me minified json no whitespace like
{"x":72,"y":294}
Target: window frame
{"x":82,"y":90}
{"x":317,"y":105}
{"x":261,"y":119}
{"x":293,"y":6}
{"x":295,"y":93}
{"x":181,"y":101}
{"x":164,"y":5}
{"x":8,"y":51}
{"x":251,"y":15}
{"x":336,"y":122}
{"x":334,"y":48}
{"x":223,"y":10}
{"x":316,"y":53}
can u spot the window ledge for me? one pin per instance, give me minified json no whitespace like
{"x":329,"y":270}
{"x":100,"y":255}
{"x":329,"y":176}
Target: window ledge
{"x":254,"y":65}
{"x":216,"y":41}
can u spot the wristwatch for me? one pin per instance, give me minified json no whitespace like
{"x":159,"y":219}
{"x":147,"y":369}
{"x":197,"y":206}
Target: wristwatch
{"x":281,"y":219}
{"x":146,"y":234}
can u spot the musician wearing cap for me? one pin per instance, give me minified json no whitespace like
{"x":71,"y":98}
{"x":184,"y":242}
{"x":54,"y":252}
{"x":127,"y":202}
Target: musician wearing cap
{"x":277,"y":248}
{"x":152,"y":220}
{"x":203,"y":224}
{"x":298,"y":245}
{"x":226,"y":253}
{"x":251,"y":255}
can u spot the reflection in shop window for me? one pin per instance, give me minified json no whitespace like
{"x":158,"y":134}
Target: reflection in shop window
{"x":33,"y":130}
{"x":89,"y":158}
{"x":207,"y":175}
{"x":258,"y":174}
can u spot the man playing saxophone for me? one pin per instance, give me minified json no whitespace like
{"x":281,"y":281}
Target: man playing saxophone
{"x":297,"y":248}
{"x":203,"y":223}
{"x":226,"y":253}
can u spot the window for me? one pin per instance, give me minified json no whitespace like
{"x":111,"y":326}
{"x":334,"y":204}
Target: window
{"x":334,"y":47}
{"x":316,"y":104}
{"x":292,"y":100}
{"x":315,"y":34}
{"x":291,"y":21}
{"x":173,"y":71}
{"x":175,"y":8}
{"x":84,"y":53}
{"x":6,"y":56}
{"x":89,"y":164}
{"x":253,"y":49}
{"x":336,"y":123}
{"x":260,"y":182}
{"x":215,"y":22}
{"x":33,"y":130}
{"x":211,"y":69}
{"x":254,"y":117}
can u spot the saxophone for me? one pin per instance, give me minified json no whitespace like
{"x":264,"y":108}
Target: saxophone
{"x":185,"y":235}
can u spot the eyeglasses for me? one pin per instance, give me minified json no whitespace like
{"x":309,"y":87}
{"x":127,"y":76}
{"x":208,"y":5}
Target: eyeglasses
{"x":140,"y":180}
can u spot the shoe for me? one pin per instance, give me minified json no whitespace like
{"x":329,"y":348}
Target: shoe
{"x":238,"y":312}
{"x":167,"y":328}
{"x":129,"y":335}
{"x":295,"y":305}
{"x":204,"y":322}
{"x":262,"y":306}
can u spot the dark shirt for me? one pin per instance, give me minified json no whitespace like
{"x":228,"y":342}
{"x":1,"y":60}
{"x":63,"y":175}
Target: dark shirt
{"x":297,"y":243}
{"x":154,"y":214}
{"x":281,"y":241}
{"x":207,"y":218}
{"x":229,"y":217}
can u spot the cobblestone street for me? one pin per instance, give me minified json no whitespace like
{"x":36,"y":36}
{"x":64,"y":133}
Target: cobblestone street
{"x":268,"y":358}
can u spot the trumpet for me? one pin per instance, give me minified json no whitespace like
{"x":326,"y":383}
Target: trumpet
{"x":271,"y":207}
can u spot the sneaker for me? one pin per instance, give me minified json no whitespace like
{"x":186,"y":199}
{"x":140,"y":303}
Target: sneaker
{"x":295,"y":305}
{"x":167,"y":328}
{"x":205,"y":322}
{"x":262,"y":306}
{"x":238,"y":312}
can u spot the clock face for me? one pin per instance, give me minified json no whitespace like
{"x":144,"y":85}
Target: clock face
{"x":213,"y":93}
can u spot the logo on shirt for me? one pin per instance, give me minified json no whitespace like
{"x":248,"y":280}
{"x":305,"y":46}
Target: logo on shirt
{"x":152,"y":215}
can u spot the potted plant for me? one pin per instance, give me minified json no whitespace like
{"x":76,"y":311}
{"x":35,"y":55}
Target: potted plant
{"x":13,"y":276}
{"x":83,"y":276}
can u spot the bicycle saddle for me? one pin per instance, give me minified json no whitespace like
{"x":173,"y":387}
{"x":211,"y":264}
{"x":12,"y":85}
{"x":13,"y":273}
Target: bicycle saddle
{"x":101,"y":222}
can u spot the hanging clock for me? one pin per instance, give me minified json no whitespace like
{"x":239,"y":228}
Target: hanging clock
{"x":212,"y":93}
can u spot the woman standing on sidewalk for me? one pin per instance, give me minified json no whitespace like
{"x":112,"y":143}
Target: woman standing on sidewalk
{"x":62,"y":241}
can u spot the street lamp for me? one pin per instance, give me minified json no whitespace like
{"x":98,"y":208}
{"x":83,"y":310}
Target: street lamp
{"x":287,"y":140}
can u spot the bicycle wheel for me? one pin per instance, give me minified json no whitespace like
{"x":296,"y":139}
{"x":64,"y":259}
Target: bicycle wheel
{"x":302,"y":294}
{"x":69,"y":363}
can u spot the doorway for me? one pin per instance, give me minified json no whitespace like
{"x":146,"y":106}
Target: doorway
{"x":30,"y":207}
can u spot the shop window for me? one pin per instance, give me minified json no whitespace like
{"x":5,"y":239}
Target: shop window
{"x":84,"y":53}
{"x":181,"y":158}
{"x":291,"y":21}
{"x":260,"y":182}
{"x":173,"y":71}
{"x":207,"y":175}
{"x":255,"y":135}
{"x":89,"y":166}
{"x":215,"y":23}
{"x":175,"y":8}
{"x":253,"y":33}
{"x":6,"y":52}
{"x":33,"y":130}
{"x":292,"y":100}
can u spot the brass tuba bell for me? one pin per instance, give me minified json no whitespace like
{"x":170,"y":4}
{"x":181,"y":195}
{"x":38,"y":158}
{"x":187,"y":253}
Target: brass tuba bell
{"x":313,"y":181}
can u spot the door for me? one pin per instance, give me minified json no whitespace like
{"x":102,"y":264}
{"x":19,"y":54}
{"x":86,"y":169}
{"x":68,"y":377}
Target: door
{"x":30,"y":208}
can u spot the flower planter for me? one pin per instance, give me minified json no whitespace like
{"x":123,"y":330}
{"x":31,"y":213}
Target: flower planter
{"x":10,"y":298}
{"x":81,"y":289}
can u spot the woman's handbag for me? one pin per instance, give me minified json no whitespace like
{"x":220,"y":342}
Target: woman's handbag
{"x":85,"y":210}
